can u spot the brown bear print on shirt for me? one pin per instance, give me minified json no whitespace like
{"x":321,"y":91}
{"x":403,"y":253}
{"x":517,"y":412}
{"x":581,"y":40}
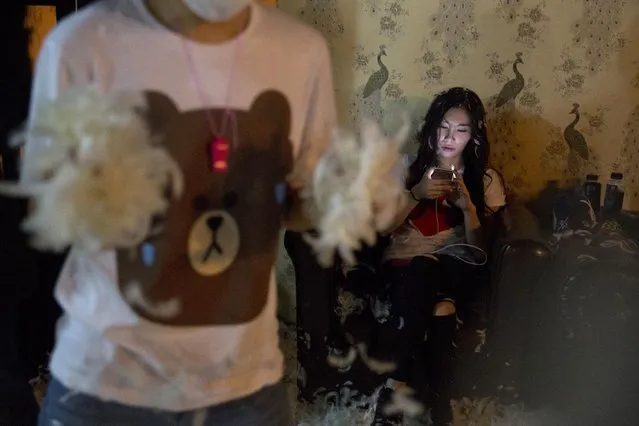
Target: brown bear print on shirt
{"x":210,"y":261}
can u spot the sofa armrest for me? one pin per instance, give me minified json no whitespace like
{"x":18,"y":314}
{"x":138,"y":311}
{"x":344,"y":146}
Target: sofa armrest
{"x":514,"y":236}
{"x":521,"y":259}
{"x":521,"y":226}
{"x":520,"y":256}
{"x":315,"y":295}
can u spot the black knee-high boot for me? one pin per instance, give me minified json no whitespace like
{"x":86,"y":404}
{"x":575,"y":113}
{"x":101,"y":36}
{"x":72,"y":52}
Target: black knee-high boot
{"x":439,"y":367}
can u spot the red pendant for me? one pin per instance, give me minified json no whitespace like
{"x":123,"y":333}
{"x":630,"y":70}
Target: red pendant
{"x":219,"y":155}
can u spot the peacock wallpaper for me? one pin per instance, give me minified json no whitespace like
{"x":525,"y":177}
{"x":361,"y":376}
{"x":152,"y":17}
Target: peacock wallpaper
{"x":559,"y":77}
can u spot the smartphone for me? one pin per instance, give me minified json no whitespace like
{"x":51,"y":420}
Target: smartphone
{"x":442,"y":174}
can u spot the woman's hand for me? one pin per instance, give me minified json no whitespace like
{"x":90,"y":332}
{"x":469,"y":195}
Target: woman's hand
{"x":460,"y":196}
{"x":432,"y":188}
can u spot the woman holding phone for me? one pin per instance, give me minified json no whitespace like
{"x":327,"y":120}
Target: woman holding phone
{"x":436,"y":253}
{"x":436,"y":249}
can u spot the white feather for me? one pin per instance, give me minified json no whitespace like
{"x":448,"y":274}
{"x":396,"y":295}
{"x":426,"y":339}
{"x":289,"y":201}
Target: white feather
{"x":94,"y":172}
{"x":356,"y":190}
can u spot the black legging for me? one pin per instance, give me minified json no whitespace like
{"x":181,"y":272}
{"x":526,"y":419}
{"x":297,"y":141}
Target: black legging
{"x":412,"y":292}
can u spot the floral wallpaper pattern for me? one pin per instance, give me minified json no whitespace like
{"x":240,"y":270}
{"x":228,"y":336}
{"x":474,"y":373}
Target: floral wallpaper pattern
{"x":560,"y":78}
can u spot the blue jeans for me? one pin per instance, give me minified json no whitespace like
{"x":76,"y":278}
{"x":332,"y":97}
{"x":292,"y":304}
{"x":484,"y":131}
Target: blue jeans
{"x":267,"y":407}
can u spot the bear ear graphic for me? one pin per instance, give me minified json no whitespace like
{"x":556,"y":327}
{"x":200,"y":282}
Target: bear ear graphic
{"x":160,"y":109}
{"x":272,"y":109}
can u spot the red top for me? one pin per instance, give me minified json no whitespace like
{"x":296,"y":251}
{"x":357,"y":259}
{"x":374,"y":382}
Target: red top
{"x":430,"y":220}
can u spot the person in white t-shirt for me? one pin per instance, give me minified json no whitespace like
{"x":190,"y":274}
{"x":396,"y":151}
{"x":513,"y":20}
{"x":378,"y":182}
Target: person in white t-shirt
{"x":216,"y":73}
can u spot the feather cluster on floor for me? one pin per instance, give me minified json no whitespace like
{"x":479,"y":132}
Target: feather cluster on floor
{"x":357,"y":189}
{"x":346,"y":408}
{"x":96,"y":176}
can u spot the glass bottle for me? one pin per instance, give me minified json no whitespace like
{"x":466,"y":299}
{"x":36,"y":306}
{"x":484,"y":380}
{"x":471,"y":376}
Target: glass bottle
{"x":592,"y":192}
{"x":613,"y":200}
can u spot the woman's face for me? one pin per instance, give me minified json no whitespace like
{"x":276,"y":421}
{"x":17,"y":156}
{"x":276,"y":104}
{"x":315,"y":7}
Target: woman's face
{"x":453,"y":134}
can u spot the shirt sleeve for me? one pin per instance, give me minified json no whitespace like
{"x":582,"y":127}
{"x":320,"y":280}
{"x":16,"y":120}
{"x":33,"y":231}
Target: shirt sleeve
{"x":494,"y":191}
{"x":67,"y":58}
{"x":49,"y":81}
{"x":321,"y":114}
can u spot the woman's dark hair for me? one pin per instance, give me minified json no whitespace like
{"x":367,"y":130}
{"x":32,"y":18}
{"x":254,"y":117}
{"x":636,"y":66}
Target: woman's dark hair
{"x":475,"y":155}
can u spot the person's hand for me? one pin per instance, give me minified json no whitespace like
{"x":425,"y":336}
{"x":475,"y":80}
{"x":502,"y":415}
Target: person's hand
{"x":432,"y":188}
{"x":459,"y":195}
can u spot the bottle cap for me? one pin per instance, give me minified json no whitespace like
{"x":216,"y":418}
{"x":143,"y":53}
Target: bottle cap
{"x":592,"y":177}
{"x":617,"y":176}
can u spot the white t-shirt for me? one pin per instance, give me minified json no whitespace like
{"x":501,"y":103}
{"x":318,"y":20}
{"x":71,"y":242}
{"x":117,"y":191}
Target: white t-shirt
{"x":432,"y":233}
{"x":105,"y":347}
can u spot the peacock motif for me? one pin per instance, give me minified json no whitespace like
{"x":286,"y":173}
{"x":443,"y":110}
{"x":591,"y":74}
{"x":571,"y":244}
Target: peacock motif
{"x":511,"y":89}
{"x":377,"y":80}
{"x":575,"y":140}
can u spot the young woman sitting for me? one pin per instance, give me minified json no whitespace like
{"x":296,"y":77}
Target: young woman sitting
{"x":435,"y":255}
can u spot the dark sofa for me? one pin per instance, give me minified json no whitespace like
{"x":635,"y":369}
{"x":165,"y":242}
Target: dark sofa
{"x":492,"y":344}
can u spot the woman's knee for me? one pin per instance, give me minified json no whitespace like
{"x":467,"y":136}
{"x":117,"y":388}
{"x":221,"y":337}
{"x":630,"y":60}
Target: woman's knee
{"x":444,"y":308}
{"x":422,"y":263}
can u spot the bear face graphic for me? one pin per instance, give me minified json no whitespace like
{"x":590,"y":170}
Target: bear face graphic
{"x":210,"y":261}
